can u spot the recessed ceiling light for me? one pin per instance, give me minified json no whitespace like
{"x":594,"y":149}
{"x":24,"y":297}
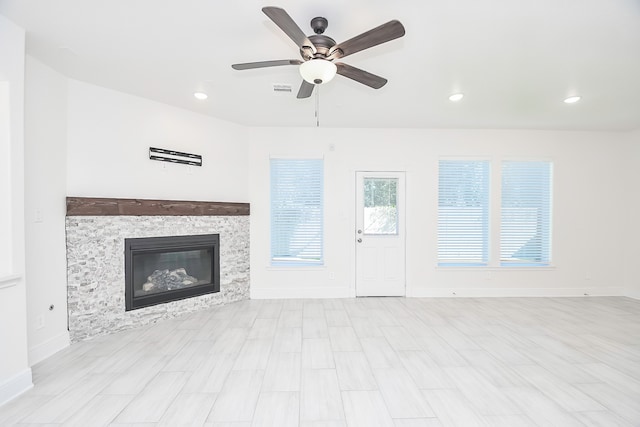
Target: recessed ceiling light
{"x":572,"y":99}
{"x":456,"y":97}
{"x":201,"y":95}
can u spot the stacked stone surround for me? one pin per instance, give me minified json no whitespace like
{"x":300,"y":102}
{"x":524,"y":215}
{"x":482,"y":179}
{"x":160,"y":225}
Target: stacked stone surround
{"x":95,"y":268}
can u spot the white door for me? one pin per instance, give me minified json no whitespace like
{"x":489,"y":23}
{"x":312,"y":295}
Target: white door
{"x":380,"y":234}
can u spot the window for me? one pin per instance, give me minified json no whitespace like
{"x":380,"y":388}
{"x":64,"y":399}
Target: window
{"x":525,"y":224}
{"x":463,"y":212}
{"x":297,"y":211}
{"x":380,"y":206}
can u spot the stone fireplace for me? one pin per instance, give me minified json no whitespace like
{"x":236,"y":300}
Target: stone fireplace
{"x":97,"y":230}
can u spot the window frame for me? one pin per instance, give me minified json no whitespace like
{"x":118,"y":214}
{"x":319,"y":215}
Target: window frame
{"x":487,"y":216}
{"x":495,"y":217}
{"x":548,"y":238}
{"x":286,"y":261}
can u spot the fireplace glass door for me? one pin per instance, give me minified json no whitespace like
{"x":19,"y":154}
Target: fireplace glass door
{"x":162,"y":269}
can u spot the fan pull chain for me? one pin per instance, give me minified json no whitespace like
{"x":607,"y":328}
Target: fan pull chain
{"x":317,"y":106}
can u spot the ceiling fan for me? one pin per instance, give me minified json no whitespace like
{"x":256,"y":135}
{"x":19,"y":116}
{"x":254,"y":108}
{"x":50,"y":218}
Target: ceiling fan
{"x":319,"y":52}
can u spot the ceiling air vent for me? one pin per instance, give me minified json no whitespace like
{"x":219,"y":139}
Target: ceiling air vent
{"x":282,"y":88}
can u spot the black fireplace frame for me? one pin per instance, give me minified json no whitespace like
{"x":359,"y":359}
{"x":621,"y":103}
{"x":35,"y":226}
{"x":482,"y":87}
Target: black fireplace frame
{"x":133,"y":246}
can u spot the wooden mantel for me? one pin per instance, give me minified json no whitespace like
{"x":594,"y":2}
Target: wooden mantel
{"x":90,"y":206}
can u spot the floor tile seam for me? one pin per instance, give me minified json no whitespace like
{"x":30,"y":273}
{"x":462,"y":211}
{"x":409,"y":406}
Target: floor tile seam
{"x":606,"y":407}
{"x":560,"y":405}
{"x":271,"y":354}
{"x":74,"y":385}
{"x":76,"y":408}
{"x":504,"y":394}
{"x":122,"y":409}
{"x":23,"y":416}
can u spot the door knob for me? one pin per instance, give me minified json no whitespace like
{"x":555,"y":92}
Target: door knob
{"x":359,"y":231}
{"x":359,"y":240}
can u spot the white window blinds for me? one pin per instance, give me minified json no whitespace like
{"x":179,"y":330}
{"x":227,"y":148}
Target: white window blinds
{"x":463,"y":212}
{"x":525,"y":225}
{"x":297,"y":211}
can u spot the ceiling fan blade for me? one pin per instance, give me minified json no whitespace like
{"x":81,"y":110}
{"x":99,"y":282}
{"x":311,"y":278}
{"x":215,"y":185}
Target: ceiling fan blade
{"x":264,"y":64}
{"x":360,"y":76}
{"x":306,"y":89}
{"x":382,"y":34}
{"x":282,"y":19}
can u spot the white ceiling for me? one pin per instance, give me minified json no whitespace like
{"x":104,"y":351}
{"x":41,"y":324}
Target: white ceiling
{"x":514,"y":60}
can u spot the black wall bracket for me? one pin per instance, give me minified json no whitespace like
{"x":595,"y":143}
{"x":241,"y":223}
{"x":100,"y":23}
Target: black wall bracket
{"x":171,"y":156}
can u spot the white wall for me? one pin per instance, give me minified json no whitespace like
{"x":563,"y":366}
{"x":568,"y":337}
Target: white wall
{"x":632,"y":270}
{"x":45,"y":191}
{"x":588,"y":224}
{"x":109,"y":136}
{"x":84,"y":140}
{"x":6,"y":259}
{"x":15,"y":374}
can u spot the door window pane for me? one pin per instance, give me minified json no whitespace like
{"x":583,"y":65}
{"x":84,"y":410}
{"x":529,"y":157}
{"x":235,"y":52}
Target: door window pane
{"x":380,"y":206}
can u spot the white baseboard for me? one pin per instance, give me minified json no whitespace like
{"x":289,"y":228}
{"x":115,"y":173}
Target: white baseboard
{"x":344,"y":292}
{"x":39,"y":352}
{"x":284,"y":293}
{"x":15,"y":386}
{"x":514,"y":292}
{"x":633,"y":293}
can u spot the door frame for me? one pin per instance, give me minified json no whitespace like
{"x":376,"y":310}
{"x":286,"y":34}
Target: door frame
{"x":402,"y":220}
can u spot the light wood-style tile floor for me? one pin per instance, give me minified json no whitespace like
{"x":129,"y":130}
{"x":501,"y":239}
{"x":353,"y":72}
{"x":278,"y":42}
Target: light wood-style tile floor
{"x":368,"y":362}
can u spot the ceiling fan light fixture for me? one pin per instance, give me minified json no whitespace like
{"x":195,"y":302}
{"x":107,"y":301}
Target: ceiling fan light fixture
{"x":318,"y":71}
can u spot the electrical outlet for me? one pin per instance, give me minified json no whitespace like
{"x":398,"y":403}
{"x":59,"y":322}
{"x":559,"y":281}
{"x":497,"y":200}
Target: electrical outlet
{"x":332,"y":275}
{"x":38,"y":216}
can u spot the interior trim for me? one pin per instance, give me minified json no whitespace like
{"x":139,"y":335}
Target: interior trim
{"x":9,"y":281}
{"x":92,"y":206}
{"x":16,"y":385}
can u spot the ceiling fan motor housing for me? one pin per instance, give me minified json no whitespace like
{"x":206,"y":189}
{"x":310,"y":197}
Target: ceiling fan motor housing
{"x":322,"y":43}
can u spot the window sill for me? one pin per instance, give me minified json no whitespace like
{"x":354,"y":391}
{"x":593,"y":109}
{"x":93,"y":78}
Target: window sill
{"x":9,"y":281}
{"x":293,"y":267}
